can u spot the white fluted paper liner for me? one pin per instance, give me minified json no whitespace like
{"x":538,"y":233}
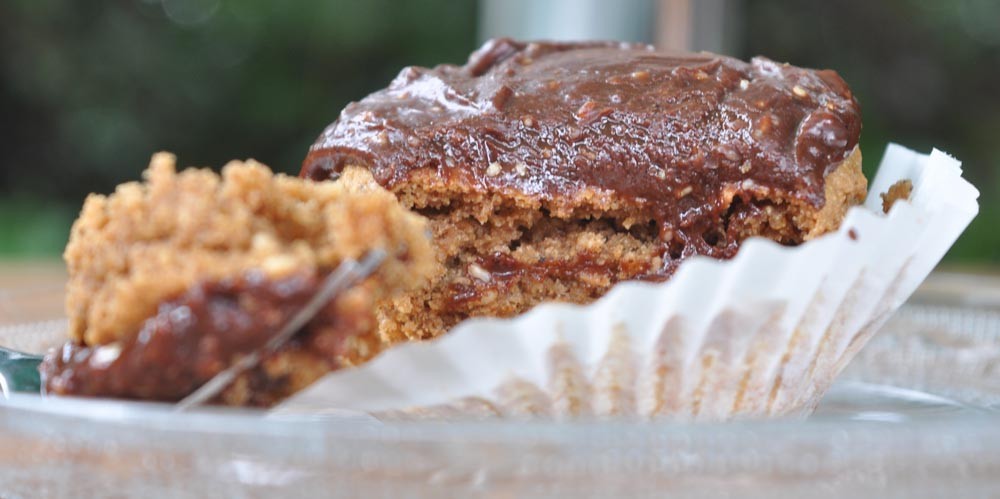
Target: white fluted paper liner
{"x":763,"y":334}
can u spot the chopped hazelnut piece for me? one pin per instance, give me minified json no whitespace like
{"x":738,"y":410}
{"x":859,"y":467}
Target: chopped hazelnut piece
{"x":642,"y":76}
{"x":479,"y":273}
{"x":730,"y":153}
{"x":279,"y":265}
{"x":586,"y":109}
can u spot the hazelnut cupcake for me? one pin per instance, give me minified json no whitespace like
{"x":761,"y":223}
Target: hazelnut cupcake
{"x":554,"y":172}
{"x":173,"y":279}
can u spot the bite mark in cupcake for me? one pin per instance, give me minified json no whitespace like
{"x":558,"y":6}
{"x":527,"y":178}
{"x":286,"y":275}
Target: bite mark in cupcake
{"x":173,"y":279}
{"x":595,"y":163}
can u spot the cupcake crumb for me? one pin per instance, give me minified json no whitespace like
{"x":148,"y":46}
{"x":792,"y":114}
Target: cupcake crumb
{"x":901,"y":190}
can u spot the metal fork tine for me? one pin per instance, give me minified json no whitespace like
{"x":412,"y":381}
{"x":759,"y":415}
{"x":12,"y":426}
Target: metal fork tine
{"x":347,"y":274}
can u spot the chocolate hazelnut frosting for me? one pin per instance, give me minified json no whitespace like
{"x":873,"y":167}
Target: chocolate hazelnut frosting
{"x":669,"y":138}
{"x":556,"y":117}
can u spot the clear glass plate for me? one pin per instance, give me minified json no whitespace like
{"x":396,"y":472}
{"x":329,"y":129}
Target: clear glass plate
{"x":915,"y":415}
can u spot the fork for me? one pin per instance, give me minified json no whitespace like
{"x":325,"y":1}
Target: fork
{"x":19,"y":370}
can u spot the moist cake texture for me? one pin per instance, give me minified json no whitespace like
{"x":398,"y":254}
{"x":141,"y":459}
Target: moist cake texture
{"x":551,"y":171}
{"x":174,"y":278}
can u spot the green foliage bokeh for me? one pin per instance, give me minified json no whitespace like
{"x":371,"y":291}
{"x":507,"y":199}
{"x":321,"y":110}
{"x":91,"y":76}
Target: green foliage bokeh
{"x":89,"y":90}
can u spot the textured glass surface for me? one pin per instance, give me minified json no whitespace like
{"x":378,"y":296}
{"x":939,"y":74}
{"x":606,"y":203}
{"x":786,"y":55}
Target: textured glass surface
{"x":913,"y":416}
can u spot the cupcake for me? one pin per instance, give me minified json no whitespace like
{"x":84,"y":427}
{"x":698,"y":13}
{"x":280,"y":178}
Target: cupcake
{"x":627,"y":232}
{"x":553,"y":171}
{"x":173,"y":279}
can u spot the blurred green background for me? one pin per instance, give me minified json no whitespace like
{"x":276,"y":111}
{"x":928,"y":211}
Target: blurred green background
{"x":88,"y":90}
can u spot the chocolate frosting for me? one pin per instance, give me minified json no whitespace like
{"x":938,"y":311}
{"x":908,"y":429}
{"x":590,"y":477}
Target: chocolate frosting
{"x":674,"y":136}
{"x":194,"y":337}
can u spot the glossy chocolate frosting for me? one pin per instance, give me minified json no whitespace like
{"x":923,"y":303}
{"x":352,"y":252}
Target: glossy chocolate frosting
{"x":673,"y":136}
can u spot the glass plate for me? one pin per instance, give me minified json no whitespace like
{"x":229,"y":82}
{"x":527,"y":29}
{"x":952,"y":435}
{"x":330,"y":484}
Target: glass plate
{"x":915,"y":415}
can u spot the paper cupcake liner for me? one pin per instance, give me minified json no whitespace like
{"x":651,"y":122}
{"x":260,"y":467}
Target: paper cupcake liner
{"x":763,"y":334}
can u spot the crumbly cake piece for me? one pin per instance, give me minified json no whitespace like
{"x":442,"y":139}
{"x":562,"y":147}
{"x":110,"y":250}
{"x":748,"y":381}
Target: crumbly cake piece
{"x":551,"y":171}
{"x":510,"y":260}
{"x":173,"y":278}
{"x":899,"y":191}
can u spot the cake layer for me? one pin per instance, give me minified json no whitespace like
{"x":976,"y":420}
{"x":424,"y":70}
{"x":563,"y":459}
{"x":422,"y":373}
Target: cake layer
{"x":173,"y":279}
{"x":598,"y":127}
{"x":551,"y":171}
